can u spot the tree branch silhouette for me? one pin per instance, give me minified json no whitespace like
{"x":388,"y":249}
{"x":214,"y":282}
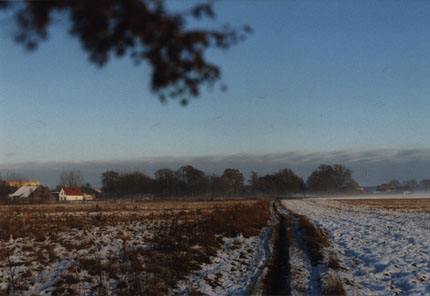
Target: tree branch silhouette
{"x":143,"y":30}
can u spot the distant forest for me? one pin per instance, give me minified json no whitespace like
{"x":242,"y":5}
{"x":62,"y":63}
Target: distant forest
{"x":190,"y":181}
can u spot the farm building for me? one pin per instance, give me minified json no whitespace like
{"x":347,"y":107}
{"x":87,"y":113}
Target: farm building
{"x":31,"y":193}
{"x":71,"y":193}
{"x":90,"y":193}
{"x":89,"y":196}
{"x":75,"y":194}
{"x":20,"y":183}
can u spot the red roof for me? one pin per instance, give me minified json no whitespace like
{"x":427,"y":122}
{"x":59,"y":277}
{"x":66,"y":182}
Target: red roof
{"x":72,"y":190}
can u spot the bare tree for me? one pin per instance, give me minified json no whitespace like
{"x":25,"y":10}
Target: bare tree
{"x":425,"y":184}
{"x":71,"y":179}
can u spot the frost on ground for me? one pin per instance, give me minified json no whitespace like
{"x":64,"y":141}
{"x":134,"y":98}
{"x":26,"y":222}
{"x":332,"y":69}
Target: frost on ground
{"x":132,"y":251}
{"x":74,"y":261}
{"x":233,"y":271}
{"x":313,"y":264}
{"x":236,"y":269}
{"x":385,"y":252}
{"x":300,"y":274}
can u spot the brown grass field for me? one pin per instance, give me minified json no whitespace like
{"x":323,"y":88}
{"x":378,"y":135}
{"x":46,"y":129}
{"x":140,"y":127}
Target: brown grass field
{"x":410,"y":205}
{"x":127,"y":205}
{"x":142,"y":247}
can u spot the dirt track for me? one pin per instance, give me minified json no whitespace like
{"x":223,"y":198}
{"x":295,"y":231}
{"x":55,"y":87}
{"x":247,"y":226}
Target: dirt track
{"x":299,"y":264}
{"x":278,"y":278}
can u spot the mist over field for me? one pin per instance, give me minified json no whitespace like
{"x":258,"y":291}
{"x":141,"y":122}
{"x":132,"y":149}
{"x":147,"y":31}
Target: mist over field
{"x":214,"y":147}
{"x":369,"y":167}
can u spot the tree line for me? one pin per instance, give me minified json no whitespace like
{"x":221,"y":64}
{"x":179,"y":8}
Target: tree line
{"x":190,"y":181}
{"x":408,"y":185}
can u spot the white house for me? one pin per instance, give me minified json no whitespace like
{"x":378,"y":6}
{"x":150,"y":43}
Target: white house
{"x":71,"y":193}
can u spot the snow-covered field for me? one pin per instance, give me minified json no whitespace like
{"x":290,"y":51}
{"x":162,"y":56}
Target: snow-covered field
{"x":385,"y":249}
{"x":235,"y":270}
{"x":216,"y":248}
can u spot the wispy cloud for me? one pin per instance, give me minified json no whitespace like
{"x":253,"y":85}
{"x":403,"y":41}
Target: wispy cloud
{"x":369,"y":167}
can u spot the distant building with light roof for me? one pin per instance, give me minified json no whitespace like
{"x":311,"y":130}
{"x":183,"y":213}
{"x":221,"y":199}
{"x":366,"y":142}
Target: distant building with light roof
{"x":32,"y":194}
{"x":20,"y":183}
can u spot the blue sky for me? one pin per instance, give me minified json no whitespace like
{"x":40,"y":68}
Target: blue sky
{"x":314,"y":76}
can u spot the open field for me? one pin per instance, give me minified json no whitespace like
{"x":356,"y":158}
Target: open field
{"x":133,"y":248}
{"x":405,"y":205}
{"x":106,"y":206}
{"x":294,"y":247}
{"x":383,"y":245}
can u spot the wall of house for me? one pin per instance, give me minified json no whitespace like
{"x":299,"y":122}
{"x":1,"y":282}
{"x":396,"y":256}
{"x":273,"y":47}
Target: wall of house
{"x":62,"y":195}
{"x":74,"y":197}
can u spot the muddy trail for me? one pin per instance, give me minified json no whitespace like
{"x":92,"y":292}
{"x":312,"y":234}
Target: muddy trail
{"x":298,"y":265}
{"x":278,"y":277}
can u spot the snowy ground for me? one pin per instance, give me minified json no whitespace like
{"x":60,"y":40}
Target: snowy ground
{"x":40,"y":267}
{"x":218,"y":248}
{"x":385,"y":252}
{"x":235,"y":269}
{"x":310,"y":274}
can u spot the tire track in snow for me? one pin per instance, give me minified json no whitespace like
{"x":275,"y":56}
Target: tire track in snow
{"x":384,"y":252}
{"x":314,"y":272}
{"x":292,"y":271}
{"x":309,"y":252}
{"x":278,"y":277}
{"x":300,"y":274}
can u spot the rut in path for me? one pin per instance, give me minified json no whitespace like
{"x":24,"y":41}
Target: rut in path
{"x":302,"y":274}
{"x":314,"y":268}
{"x":310,"y":265}
{"x":278,"y":276}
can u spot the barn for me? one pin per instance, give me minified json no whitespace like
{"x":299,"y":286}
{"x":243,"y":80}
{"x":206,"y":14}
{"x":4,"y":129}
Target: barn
{"x":32,"y":194}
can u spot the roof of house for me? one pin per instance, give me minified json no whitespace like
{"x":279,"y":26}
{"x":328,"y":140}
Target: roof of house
{"x":72,"y":190}
{"x":23,"y":192}
{"x":22,"y":182}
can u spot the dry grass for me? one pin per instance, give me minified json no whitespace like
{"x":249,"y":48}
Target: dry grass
{"x":314,"y":239}
{"x":40,"y":221}
{"x":182,"y":236}
{"x":333,"y":287}
{"x":334,"y":263}
{"x":410,"y":205}
{"x":107,"y":206}
{"x":172,"y":258}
